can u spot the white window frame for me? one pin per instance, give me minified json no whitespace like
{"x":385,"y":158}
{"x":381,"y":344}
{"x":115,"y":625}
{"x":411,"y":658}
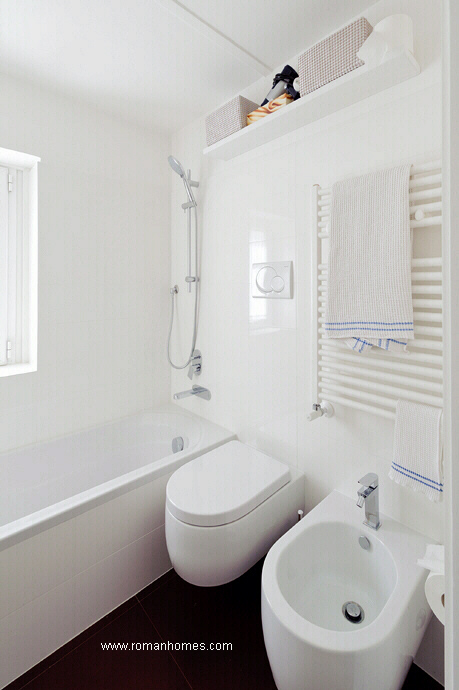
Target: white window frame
{"x":18,"y":262}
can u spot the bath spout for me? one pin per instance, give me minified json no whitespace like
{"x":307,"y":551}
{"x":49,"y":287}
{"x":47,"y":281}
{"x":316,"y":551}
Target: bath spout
{"x":196,"y":390}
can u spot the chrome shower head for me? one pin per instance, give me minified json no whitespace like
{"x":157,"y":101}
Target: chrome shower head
{"x":178,"y":168}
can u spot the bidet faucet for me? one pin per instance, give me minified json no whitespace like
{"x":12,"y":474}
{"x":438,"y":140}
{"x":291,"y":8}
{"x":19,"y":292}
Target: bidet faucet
{"x":196,"y":390}
{"x":369,"y":494}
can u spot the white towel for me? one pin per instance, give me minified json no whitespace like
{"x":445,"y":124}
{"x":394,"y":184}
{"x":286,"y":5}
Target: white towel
{"x":369,"y":266}
{"x":417,"y":459}
{"x":434,"y":559}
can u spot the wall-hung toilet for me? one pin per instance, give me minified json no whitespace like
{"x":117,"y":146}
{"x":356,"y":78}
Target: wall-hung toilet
{"x":225,"y":509}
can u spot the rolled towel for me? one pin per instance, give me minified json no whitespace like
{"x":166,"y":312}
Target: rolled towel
{"x":434,"y":560}
{"x":417,"y":459}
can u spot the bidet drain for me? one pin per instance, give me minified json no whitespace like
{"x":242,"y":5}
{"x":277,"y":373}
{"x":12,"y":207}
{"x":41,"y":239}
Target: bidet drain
{"x":353,"y":612}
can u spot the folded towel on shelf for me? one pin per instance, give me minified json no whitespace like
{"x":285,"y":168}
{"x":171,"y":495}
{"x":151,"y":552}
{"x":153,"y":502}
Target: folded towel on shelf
{"x":417,"y":458}
{"x":369,"y":299}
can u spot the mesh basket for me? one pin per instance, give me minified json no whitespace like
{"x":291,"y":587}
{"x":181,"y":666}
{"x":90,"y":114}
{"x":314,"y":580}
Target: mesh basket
{"x":334,"y":56}
{"x":229,"y":118}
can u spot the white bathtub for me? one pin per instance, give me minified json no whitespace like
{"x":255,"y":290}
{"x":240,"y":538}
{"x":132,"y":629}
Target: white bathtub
{"x":82,"y":526}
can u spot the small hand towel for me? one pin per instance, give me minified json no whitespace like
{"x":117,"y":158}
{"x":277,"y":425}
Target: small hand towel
{"x":369,"y":265}
{"x":417,"y":459}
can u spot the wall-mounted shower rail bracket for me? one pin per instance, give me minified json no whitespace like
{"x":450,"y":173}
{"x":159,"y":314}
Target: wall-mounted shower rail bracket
{"x":191,"y":183}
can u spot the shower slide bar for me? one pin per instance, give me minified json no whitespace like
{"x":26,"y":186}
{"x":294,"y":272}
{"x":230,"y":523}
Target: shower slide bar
{"x":374,"y":381}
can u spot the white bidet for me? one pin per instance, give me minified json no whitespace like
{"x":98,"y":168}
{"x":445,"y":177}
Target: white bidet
{"x":343,"y":606}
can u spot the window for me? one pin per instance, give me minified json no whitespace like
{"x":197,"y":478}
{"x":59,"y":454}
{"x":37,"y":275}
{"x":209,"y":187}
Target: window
{"x":18,"y":262}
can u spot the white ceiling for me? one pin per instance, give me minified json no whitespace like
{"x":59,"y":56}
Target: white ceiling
{"x":158,"y":62}
{"x":276,"y":30}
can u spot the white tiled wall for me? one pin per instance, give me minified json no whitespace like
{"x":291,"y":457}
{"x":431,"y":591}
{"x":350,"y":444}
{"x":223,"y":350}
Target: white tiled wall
{"x":256,"y":354}
{"x":103,"y":266}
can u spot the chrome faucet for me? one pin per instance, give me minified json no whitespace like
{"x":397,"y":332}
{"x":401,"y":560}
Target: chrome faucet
{"x":195,"y":390}
{"x":369,"y":494}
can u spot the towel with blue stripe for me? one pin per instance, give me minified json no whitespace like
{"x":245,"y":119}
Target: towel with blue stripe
{"x":369,"y":302}
{"x":417,"y":458}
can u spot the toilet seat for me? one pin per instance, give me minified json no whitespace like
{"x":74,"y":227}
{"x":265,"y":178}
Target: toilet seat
{"x":224,"y":485}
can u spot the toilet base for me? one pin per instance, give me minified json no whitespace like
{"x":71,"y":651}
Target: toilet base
{"x":211,"y":556}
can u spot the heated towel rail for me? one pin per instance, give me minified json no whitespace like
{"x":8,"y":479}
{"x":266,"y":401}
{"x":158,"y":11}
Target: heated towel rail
{"x":374,"y":381}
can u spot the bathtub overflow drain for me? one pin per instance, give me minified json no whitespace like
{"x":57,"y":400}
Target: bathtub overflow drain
{"x":353,"y":612}
{"x":177,"y":444}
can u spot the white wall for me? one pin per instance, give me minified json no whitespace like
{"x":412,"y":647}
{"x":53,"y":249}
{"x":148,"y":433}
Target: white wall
{"x":103,"y":267}
{"x":257,"y":206}
{"x":451,"y":325}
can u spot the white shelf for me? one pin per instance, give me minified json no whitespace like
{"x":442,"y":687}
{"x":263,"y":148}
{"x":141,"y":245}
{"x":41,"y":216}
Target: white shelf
{"x":353,"y":87}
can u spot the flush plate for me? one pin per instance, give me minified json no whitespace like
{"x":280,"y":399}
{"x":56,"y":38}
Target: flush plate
{"x":272,"y":280}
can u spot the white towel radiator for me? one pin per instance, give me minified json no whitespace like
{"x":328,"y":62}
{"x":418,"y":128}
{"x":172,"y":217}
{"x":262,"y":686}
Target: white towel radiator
{"x":374,"y":381}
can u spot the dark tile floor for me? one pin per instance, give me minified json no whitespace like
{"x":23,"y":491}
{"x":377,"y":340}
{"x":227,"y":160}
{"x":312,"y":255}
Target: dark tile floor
{"x":172,"y":610}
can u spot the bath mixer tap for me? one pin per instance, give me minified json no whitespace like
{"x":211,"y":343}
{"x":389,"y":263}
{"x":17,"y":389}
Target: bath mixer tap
{"x":369,"y":495}
{"x":195,"y":390}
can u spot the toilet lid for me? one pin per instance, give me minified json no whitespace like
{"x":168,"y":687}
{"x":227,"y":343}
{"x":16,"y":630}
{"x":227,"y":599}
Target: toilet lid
{"x":224,"y":485}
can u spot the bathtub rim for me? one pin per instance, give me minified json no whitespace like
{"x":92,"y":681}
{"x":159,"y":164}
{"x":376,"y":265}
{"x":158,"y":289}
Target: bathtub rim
{"x":212,"y":435}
